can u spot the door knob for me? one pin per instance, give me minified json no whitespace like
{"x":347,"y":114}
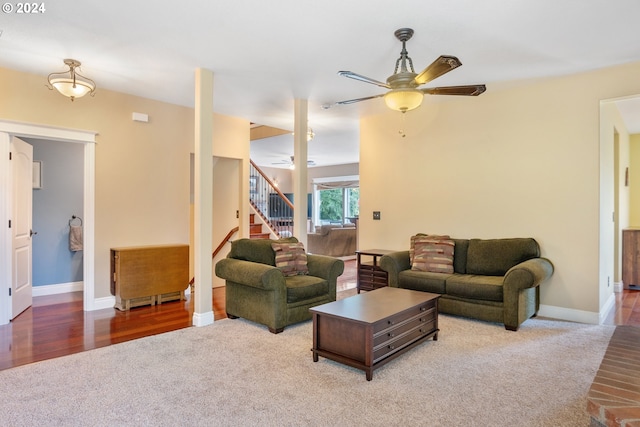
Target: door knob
{"x":31,"y":233}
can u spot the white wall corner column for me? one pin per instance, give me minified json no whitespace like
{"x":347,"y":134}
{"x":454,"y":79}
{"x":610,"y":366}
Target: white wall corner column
{"x":89,"y":243}
{"x":300,"y":153}
{"x":203,"y":198}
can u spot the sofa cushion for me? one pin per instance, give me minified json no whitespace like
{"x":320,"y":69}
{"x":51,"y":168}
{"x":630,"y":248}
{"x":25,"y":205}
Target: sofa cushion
{"x":290,"y":258}
{"x":423,"y":281}
{"x":471,"y":286}
{"x":256,"y":250}
{"x":494,"y":257}
{"x":460,"y":255}
{"x":412,"y":242}
{"x":304,"y":288}
{"x":433,"y":254}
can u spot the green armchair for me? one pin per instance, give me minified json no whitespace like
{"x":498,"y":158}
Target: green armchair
{"x":257,"y":290}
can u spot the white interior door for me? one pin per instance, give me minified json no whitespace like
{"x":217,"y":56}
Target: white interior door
{"x":22,"y":176}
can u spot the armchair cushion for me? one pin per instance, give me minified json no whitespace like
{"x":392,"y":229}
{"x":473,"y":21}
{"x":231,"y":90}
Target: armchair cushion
{"x":290,"y":258}
{"x":303,"y":288}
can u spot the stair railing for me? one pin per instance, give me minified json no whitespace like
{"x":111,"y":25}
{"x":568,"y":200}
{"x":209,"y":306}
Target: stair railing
{"x":275,"y":209}
{"x":218,"y":249}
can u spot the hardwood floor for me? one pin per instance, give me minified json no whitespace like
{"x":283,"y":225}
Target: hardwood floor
{"x":57,"y":325}
{"x":627,"y":311}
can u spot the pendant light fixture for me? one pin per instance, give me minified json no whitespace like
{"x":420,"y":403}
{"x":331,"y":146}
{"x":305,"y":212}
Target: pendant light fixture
{"x":70,"y":83}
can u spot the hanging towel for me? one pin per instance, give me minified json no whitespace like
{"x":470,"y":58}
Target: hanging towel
{"x":75,"y":238}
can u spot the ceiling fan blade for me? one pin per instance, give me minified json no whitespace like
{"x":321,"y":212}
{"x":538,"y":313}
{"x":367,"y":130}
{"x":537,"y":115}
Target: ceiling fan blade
{"x":437,"y":68}
{"x":353,"y":101}
{"x":470,"y":90}
{"x":362,"y":78}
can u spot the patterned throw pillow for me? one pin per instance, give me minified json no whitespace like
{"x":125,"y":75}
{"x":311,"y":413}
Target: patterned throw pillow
{"x":433,"y":254}
{"x":291,"y":258}
{"x":412,"y":245}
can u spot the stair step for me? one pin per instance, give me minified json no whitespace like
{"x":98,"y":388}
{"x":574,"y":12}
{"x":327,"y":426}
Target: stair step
{"x":259,"y":236}
{"x":252,"y":218}
{"x":255,"y":228}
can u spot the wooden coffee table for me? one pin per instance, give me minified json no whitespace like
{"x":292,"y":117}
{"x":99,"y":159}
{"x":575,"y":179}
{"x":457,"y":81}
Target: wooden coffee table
{"x":368,"y":330}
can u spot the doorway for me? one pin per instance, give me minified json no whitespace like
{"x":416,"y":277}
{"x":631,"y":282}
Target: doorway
{"x":57,"y":205}
{"x":26,"y":130}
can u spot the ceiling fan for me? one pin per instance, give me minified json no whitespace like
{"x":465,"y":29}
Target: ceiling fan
{"x":290,"y":162}
{"x":404,"y":94}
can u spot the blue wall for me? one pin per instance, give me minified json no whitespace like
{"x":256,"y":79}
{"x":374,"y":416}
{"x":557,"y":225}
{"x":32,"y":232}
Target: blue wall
{"x":60,"y":197}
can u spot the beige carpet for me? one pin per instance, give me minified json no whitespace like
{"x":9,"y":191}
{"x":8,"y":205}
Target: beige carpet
{"x":236,"y":373}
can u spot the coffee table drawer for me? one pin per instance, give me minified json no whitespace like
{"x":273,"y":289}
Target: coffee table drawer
{"x":390,"y":347}
{"x":403,"y":316}
{"x":423,"y":319}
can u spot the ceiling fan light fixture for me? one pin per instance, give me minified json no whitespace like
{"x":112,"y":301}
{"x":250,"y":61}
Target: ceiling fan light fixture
{"x":70,"y":83}
{"x":403,"y":100}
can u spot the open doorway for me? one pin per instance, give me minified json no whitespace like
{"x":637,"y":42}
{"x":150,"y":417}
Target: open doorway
{"x":58,"y":199}
{"x":87,"y":140}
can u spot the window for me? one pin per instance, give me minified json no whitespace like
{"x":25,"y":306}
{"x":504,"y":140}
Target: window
{"x":339,"y":204}
{"x":336,"y":199}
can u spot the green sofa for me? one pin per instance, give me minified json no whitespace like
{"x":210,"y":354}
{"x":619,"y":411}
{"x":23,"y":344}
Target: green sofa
{"x":495,"y":280}
{"x":257,"y":290}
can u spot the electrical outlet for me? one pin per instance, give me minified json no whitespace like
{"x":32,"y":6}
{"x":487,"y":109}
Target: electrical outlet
{"x":608,"y":281}
{"x":376,"y":215}
{"x":237,"y":214}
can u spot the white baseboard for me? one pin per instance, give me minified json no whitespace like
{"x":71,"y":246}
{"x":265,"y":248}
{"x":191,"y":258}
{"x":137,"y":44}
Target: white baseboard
{"x":59,"y":288}
{"x":203,"y":319}
{"x":102,"y":303}
{"x":580,"y":316}
{"x":618,"y":287}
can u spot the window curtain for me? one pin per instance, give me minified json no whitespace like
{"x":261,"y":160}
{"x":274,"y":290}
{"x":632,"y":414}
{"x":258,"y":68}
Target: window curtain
{"x":339,"y":184}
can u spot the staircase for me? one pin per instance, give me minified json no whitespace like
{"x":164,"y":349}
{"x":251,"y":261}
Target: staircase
{"x":255,"y":229}
{"x":272,"y":206}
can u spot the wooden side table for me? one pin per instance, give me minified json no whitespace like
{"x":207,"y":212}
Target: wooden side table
{"x":369,"y":274}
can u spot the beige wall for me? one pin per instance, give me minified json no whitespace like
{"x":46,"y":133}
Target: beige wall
{"x":634,"y":180}
{"x":523,"y":159}
{"x":285,"y":181}
{"x":142,"y":169}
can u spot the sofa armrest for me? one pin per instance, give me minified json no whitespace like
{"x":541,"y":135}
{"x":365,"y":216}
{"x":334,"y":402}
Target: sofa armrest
{"x":393,"y":264}
{"x":519,"y":278}
{"x":528,"y":274}
{"x":249,"y":273}
{"x":328,"y":268}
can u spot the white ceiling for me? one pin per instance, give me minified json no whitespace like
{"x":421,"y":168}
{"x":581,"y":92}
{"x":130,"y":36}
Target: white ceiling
{"x":264,"y":54}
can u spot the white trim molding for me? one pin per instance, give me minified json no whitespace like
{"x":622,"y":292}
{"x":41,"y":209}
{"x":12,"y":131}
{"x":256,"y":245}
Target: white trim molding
{"x":58,"y":288}
{"x":580,"y":316}
{"x":31,"y":130}
{"x":203,"y":319}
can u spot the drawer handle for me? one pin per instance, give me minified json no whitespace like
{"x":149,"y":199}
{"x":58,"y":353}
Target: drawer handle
{"x":391,"y":335}
{"x":390,"y":322}
{"x":423,"y":308}
{"x":391,"y":347}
